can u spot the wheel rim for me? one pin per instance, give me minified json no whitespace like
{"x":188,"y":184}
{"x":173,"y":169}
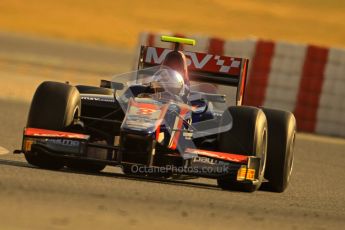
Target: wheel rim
{"x":76,"y":114}
{"x":291,"y":157}
{"x":263,"y":153}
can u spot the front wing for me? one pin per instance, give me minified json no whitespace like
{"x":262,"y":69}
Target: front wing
{"x":196,"y":162}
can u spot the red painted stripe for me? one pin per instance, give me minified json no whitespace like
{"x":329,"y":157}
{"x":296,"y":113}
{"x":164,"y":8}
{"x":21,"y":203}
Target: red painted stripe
{"x":310,"y":88}
{"x":216,"y":46}
{"x":164,"y":110}
{"x":183,"y":112}
{"x":259,"y":73}
{"x":143,"y":105}
{"x":150,"y":39}
{"x":243,"y":82}
{"x":219,"y":155}
{"x":52,"y":133}
{"x":158,"y":131}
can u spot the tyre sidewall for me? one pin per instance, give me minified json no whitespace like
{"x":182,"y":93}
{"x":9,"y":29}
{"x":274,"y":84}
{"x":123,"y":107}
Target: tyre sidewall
{"x":282,"y":130}
{"x":245,"y":137}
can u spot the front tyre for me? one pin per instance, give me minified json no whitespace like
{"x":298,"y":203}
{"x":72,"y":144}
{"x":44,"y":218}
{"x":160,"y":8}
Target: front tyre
{"x":247,"y":136}
{"x":54,"y":106}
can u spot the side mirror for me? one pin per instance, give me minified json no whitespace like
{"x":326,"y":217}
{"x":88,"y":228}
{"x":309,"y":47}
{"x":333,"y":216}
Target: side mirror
{"x":117,"y":86}
{"x":111,"y":85}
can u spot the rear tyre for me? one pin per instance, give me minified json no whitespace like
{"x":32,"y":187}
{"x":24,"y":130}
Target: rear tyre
{"x":248,"y":136}
{"x":54,"y":106}
{"x":281,"y":141}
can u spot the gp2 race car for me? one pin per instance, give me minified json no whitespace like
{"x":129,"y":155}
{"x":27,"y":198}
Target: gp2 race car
{"x":166,"y":119}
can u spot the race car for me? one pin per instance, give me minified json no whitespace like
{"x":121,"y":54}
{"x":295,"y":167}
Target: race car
{"x":166,"y":119}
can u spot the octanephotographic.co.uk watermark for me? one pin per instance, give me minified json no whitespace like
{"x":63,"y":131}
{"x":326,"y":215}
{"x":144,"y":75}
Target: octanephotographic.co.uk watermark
{"x":180,"y":170}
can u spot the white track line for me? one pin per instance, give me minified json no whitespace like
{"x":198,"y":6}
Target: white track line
{"x":3,"y":151}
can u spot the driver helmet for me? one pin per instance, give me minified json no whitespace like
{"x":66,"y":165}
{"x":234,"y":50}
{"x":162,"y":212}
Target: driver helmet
{"x":168,"y":80}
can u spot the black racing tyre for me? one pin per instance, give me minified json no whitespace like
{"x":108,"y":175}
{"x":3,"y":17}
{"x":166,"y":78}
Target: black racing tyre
{"x":248,"y":135}
{"x":54,"y":106}
{"x":94,"y":90}
{"x":281,"y":141}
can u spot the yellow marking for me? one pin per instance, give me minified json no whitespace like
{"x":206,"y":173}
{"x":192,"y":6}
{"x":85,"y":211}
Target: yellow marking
{"x":27,"y":145}
{"x":160,"y":137}
{"x":186,"y":41}
{"x":250,"y":174}
{"x":241,"y":173}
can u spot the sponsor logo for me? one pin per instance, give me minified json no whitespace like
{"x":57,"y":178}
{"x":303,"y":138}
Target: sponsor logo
{"x":101,"y":99}
{"x":145,"y":111}
{"x":64,"y":142}
{"x":197,"y":61}
{"x":209,"y":161}
{"x":223,"y":156}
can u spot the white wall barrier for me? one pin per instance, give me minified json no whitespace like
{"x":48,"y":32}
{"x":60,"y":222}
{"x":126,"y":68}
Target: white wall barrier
{"x":305,"y":79}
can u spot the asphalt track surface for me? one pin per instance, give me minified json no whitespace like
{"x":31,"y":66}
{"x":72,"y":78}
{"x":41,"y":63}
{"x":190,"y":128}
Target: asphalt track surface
{"x":33,"y":198}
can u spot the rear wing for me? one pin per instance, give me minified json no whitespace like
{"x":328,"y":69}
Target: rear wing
{"x":203,"y":67}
